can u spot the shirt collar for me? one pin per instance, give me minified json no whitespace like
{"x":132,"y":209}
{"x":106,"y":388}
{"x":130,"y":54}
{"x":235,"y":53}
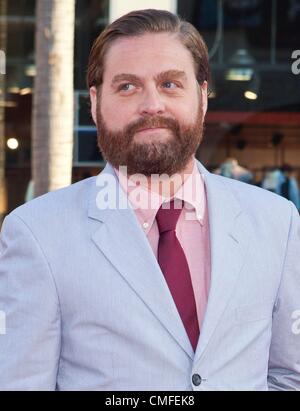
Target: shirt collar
{"x":192,"y":192}
{"x":146,"y":203}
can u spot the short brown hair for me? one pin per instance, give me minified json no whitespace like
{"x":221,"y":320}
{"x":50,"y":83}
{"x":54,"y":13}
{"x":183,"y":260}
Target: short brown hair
{"x":138,"y":23}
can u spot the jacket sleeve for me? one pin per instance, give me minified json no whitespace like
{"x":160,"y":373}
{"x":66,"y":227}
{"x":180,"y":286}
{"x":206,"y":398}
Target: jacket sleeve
{"x":29,"y":312}
{"x":284,"y":361}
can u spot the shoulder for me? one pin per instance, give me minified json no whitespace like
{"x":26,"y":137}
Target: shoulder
{"x":253,"y":199}
{"x":59,"y":204}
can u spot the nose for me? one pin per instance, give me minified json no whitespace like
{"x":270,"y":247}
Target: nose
{"x":152,"y":103}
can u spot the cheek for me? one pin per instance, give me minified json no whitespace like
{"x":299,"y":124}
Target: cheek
{"x":116,"y":114}
{"x":186,"y":113}
{"x":186,"y":110}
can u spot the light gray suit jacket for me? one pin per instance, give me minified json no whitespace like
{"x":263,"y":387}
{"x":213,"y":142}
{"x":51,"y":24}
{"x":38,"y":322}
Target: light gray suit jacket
{"x":87,"y":307}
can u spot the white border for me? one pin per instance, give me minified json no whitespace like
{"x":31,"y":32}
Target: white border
{"x":118,"y":8}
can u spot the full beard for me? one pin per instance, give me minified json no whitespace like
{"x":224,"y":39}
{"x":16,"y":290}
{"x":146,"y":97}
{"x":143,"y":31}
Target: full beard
{"x":156,"y":157}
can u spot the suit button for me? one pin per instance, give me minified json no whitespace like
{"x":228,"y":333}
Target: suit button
{"x":196,"y":378}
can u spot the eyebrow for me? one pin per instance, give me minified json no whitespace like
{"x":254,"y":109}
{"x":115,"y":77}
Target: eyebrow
{"x":179,"y":74}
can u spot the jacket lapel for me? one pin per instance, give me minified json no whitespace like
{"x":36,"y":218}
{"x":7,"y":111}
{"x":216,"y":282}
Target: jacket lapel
{"x":121,"y":239}
{"x":229,"y":229}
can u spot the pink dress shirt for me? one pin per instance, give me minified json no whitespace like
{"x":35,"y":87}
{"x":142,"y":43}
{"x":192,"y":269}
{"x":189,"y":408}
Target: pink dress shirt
{"x":192,"y":228}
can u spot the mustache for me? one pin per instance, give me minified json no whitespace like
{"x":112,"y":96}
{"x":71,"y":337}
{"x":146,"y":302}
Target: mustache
{"x":152,"y":122}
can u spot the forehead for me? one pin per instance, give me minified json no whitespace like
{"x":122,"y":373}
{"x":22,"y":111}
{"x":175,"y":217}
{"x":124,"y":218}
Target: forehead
{"x":147,"y":55}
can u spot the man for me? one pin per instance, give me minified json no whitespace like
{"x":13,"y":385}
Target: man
{"x":289,"y":187}
{"x":157,"y":275}
{"x":231,"y":168}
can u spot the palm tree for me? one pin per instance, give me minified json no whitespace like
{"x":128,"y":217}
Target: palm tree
{"x":52,"y":136}
{"x":3,"y":199}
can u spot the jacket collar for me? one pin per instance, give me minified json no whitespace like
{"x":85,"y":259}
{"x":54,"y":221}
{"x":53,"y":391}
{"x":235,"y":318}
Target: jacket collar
{"x":121,"y":239}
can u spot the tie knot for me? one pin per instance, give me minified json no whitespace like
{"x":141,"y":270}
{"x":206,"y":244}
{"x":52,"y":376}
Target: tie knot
{"x":167,"y":216}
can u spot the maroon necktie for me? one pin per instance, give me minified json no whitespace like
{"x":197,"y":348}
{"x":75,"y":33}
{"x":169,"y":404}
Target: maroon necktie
{"x":174,"y":266}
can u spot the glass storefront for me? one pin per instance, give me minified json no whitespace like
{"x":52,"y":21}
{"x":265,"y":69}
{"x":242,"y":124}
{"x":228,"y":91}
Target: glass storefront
{"x":91,"y":18}
{"x":254,"y":104}
{"x":19,"y":26}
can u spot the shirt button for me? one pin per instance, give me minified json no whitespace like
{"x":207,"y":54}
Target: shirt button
{"x":145,"y":225}
{"x":196,"y":379}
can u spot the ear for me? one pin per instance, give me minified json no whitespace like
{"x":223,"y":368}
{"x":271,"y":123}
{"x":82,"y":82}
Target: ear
{"x":203,"y":91}
{"x":93,"y":98}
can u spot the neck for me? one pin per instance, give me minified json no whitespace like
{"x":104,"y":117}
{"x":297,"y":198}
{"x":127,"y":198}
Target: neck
{"x":168,"y":186}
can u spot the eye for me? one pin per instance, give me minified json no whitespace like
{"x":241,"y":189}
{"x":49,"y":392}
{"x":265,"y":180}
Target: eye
{"x":170,"y":85}
{"x":126,"y":87}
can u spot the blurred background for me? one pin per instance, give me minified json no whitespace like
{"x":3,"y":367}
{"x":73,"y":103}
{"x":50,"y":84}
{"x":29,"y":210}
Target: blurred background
{"x":48,"y":140}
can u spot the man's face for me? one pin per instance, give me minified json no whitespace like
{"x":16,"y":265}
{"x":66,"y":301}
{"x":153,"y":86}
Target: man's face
{"x":149,"y":112}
